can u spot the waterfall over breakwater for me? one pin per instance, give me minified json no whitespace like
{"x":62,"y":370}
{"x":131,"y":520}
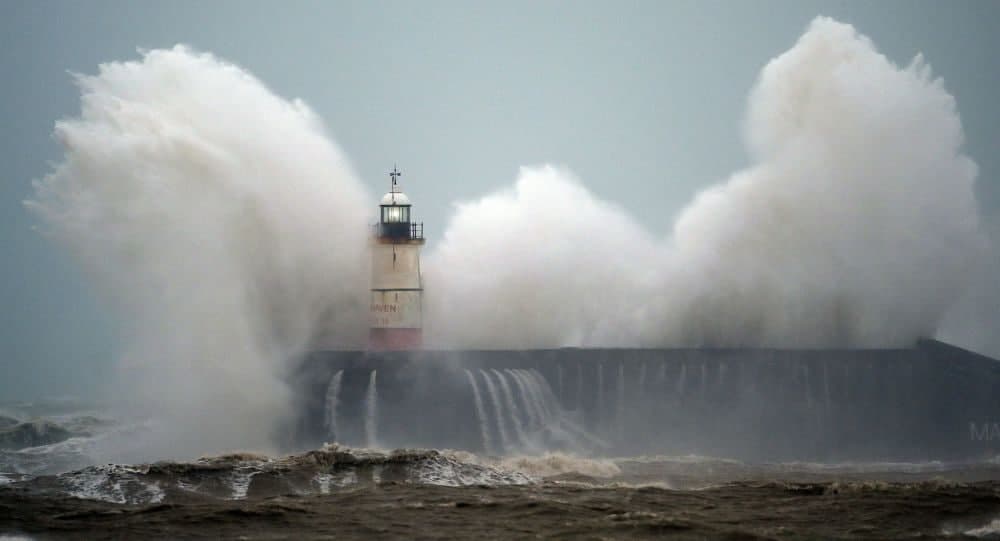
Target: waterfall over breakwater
{"x":897,"y":404}
{"x":332,"y":399}
{"x":512,"y":408}
{"x":497,"y":411}
{"x":484,"y":428}
{"x":371,"y":411}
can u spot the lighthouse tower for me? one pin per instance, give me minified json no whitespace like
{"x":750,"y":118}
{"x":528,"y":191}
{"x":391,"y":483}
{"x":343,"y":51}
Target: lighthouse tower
{"x":397,"y":290}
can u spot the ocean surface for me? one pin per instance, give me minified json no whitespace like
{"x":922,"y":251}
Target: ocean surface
{"x":52,"y":488}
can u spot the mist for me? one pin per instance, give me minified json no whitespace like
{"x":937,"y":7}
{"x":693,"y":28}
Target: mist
{"x":228,"y":231}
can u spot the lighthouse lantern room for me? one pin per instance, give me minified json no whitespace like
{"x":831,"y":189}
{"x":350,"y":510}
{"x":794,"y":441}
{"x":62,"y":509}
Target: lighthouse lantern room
{"x":396,"y":286}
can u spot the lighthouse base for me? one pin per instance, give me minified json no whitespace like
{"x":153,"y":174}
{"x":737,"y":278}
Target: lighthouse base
{"x":395,"y":339}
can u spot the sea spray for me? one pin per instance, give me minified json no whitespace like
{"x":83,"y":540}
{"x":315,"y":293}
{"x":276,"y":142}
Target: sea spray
{"x":226,"y":229}
{"x":229,"y":232}
{"x":855,"y":225}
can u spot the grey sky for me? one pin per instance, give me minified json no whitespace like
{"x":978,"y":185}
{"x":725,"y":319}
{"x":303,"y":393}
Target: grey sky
{"x":643,"y":100}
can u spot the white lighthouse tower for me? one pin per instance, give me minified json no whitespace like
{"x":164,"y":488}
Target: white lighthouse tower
{"x":397,"y":290}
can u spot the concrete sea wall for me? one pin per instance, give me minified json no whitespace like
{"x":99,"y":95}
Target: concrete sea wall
{"x":927,"y":402}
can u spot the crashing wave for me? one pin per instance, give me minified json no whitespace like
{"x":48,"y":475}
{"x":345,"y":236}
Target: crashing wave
{"x":249,"y":476}
{"x":988,"y":531}
{"x":90,"y":439}
{"x":17,"y":434}
{"x":32,"y":434}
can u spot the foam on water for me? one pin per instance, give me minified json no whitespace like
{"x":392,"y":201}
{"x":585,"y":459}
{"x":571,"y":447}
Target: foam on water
{"x":991,"y":530}
{"x":112,"y":483}
{"x":456,"y":473}
{"x":248,"y":476}
{"x":96,"y":437}
{"x":240,"y":481}
{"x":7,"y":478}
{"x":551,"y":464}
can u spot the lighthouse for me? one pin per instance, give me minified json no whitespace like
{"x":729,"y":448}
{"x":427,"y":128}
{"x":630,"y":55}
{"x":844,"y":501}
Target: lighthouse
{"x":396,"y":286}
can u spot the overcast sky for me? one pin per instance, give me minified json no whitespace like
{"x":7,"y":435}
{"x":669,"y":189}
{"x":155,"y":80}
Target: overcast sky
{"x":642,"y":100}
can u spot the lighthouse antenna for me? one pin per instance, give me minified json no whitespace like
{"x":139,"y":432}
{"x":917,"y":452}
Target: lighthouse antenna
{"x":395,"y":174}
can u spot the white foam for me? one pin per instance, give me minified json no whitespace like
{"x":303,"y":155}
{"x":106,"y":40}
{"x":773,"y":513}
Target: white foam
{"x":322,"y":482}
{"x":200,"y":202}
{"x":155,"y":492}
{"x":113,"y":483}
{"x":453,"y":473}
{"x":550,"y":464}
{"x":541,"y":465}
{"x":102,"y":483}
{"x":855,"y":224}
{"x":240,"y":481}
{"x":344,"y":478}
{"x":991,"y":530}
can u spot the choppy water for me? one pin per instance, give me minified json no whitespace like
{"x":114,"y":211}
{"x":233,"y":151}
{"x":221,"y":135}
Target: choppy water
{"x":52,"y":491}
{"x":430,"y":494}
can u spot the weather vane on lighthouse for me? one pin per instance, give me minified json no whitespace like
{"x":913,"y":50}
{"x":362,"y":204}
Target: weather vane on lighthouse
{"x":397,"y":288}
{"x":395,"y":174}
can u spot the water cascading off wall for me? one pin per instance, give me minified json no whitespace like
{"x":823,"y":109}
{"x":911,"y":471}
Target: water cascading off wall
{"x":371,"y":411}
{"x":484,"y":428}
{"x":522,"y":411}
{"x":756,"y":404}
{"x":332,"y":401}
{"x":512,"y":408}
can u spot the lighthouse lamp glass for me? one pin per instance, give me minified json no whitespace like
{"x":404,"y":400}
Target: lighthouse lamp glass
{"x":394,"y":214}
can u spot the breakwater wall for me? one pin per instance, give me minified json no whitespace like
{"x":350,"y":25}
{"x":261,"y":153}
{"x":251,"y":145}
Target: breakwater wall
{"x":931,"y":401}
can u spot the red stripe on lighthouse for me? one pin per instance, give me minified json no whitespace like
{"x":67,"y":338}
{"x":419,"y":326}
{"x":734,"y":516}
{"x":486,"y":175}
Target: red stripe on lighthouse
{"x":395,"y":339}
